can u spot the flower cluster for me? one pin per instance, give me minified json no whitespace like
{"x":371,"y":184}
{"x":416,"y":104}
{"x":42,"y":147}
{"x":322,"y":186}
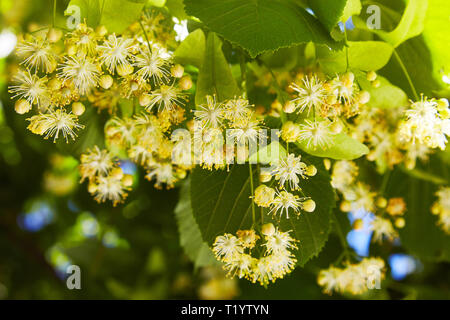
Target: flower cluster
{"x":358,"y":197}
{"x":353,"y":278}
{"x":427,"y":122}
{"x":328,"y":102}
{"x":132,"y":76}
{"x":287,"y":172}
{"x":441,"y":208}
{"x":215,"y":122}
{"x":276,"y":261}
{"x":106,"y":179}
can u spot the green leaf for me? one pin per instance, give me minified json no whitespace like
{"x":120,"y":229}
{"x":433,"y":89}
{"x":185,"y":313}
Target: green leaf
{"x":115,"y":15}
{"x":190,"y":237}
{"x":411,"y":24}
{"x":385,"y":96}
{"x":221,"y":203}
{"x":155,"y":3}
{"x":176,"y":8}
{"x":192,"y":49}
{"x":437,"y":37}
{"x":420,"y":236}
{"x":259,"y":25}
{"x":352,"y":8}
{"x":360,"y":56}
{"x":215,"y":76}
{"x":343,"y":147}
{"x":271,"y":153}
{"x":329,"y":12}
{"x":414,"y":57}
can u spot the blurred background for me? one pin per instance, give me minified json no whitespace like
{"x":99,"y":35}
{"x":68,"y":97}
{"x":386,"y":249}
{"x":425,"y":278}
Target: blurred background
{"x":48,"y":221}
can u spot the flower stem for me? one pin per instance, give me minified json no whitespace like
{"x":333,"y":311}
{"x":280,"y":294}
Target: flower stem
{"x":252,"y":192}
{"x":405,"y":71}
{"x":145,"y":35}
{"x":54,"y":13}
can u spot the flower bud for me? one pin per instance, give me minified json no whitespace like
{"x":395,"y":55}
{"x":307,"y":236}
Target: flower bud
{"x":22,"y":106}
{"x":265,"y":176}
{"x":92,"y":187}
{"x":177,"y":71}
{"x":289,"y":107}
{"x":124,"y":69}
{"x":376,"y":83}
{"x":54,"y":35}
{"x":399,"y":222}
{"x":364,"y":97}
{"x":54,"y":84}
{"x":268,"y":229}
{"x":78,"y":108}
{"x":358,"y":224}
{"x":127,"y":180}
{"x":117,"y":173}
{"x":311,"y":171}
{"x":348,"y":79}
{"x":327,"y":163}
{"x":145,"y":99}
{"x":309,"y":205}
{"x":336,"y":127}
{"x":276,"y":105}
{"x":290,"y":132}
{"x":381,"y":202}
{"x":106,"y":81}
{"x":371,"y":76}
{"x":346,"y":206}
{"x":185,"y":83}
{"x":264,"y":196}
{"x":101,"y":31}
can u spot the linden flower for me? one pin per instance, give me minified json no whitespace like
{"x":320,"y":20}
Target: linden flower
{"x":227,"y":247}
{"x":38,"y":54}
{"x":153,"y":65}
{"x":121,"y":131}
{"x":316,"y":134}
{"x":279,"y":242}
{"x":264,"y":196}
{"x":283,"y":201}
{"x":426,"y":124}
{"x":246,"y":130}
{"x":442,"y":208}
{"x":52,"y":123}
{"x":396,"y":207}
{"x":344,"y":87}
{"x":95,"y":162}
{"x":163,"y":173}
{"x":289,"y":169}
{"x":211,"y":114}
{"x":30,"y":87}
{"x":281,"y":263}
{"x":248,"y":238}
{"x":328,"y":279}
{"x":262,"y":271}
{"x":115,"y":52}
{"x":354,"y":278}
{"x":84,"y":39}
{"x":382,"y":228}
{"x":110,"y":187}
{"x":344,"y":174}
{"x":166,"y":98}
{"x":82,"y":72}
{"x":237,"y":109}
{"x":310,"y":94}
{"x":241,"y":266}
